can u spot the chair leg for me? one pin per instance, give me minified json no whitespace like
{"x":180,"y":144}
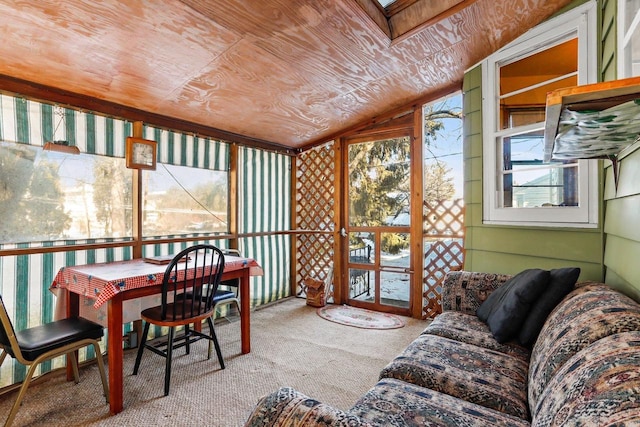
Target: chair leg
{"x":23,"y":389}
{"x":141,"y":348}
{"x":214,"y":338}
{"x":103,"y":376}
{"x":187,"y":338}
{"x":74,"y":365}
{"x":2,"y":356}
{"x":167,"y":369}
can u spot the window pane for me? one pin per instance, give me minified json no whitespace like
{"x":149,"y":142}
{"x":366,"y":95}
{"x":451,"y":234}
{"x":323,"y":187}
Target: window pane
{"x":544,"y":187}
{"x":527,"y":182}
{"x":524,"y":83}
{"x":631,"y":50}
{"x":47,"y":196}
{"x":184,"y":200}
{"x":631,"y":8}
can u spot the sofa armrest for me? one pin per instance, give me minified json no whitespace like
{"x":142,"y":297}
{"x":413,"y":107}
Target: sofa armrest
{"x":465,"y":291}
{"x":288,"y":407}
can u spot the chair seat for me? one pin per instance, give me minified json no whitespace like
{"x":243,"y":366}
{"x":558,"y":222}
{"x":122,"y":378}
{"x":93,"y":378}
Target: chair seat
{"x":223,"y":294}
{"x":154,"y":314}
{"x":220,"y":295}
{"x":41,"y":339}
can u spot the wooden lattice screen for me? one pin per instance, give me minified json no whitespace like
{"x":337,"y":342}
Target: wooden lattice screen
{"x":315,"y":212}
{"x":443,"y":227}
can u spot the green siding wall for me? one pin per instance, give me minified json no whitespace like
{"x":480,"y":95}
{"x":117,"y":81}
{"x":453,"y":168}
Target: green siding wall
{"x":510,"y":249}
{"x":622,"y":214}
{"x":608,"y":58}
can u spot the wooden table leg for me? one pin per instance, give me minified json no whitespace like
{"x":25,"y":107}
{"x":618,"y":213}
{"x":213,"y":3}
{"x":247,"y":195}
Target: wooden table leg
{"x":245,"y":326}
{"x":115,"y":354}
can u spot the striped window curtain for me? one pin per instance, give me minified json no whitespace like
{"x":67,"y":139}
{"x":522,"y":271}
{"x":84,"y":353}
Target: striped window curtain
{"x":180,"y":149}
{"x":30,"y":122}
{"x":264,"y":206}
{"x":25,"y":279}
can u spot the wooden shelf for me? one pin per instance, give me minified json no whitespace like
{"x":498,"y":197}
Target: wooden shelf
{"x":593,"y":97}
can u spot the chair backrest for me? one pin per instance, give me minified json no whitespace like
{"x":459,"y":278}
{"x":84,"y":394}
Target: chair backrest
{"x":196,"y":272}
{"x":7,"y":334}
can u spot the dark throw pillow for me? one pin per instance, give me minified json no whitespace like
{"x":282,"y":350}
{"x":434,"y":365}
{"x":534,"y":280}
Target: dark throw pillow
{"x":561,"y":282}
{"x":508,"y":306}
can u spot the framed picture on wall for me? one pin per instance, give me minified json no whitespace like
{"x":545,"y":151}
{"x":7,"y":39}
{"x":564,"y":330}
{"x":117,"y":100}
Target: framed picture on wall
{"x":141,"y":153}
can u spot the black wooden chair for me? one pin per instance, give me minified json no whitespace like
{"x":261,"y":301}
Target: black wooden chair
{"x":189,"y":285}
{"x":35,"y":345}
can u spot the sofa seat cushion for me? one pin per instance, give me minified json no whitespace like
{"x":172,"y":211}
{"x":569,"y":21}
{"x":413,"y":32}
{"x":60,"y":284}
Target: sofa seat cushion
{"x":585,"y":316}
{"x":289,"y":407}
{"x":596,"y":387}
{"x":396,"y":403}
{"x":469,"y":329}
{"x":478,"y":375}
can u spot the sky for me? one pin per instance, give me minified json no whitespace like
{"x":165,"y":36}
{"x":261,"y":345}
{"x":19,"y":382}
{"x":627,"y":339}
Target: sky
{"x":447,"y":147}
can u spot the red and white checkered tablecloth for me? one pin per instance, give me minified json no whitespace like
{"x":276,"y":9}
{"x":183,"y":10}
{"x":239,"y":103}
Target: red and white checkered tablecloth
{"x":101,"y":282}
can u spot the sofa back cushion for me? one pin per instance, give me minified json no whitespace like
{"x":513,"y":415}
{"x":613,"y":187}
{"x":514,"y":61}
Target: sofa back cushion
{"x":598,"y":386}
{"x":508,"y":306}
{"x":561,"y":282}
{"x":586,"y":315}
{"x":465,"y":291}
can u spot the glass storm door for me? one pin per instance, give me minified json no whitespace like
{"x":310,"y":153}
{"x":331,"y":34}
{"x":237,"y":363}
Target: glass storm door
{"x":377,"y":255}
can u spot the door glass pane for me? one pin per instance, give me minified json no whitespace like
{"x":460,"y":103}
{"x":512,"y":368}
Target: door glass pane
{"x":362,"y":284}
{"x":394,"y":254}
{"x":394,"y":250}
{"x":394,"y":288}
{"x":379,"y":182}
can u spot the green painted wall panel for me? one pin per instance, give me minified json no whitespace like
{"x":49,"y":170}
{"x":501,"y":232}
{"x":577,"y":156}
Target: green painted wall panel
{"x":474,"y":168}
{"x":608,"y":39}
{"x":621,"y":258}
{"x":539,"y":242}
{"x":495,"y":262}
{"x":475,"y":191}
{"x":473,"y":217}
{"x":475,"y":146}
{"x":629,"y":176}
{"x":617,"y":282}
{"x":622,"y":217}
{"x":472,"y":79}
{"x":609,"y":186}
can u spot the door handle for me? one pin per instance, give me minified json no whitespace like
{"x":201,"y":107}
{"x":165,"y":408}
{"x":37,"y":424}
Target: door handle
{"x":343,"y":232}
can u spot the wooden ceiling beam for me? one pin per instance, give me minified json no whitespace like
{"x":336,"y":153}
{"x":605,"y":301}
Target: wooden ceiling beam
{"x":51,"y":95}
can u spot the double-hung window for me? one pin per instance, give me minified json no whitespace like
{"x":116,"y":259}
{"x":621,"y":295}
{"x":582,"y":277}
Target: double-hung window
{"x":519,"y":188}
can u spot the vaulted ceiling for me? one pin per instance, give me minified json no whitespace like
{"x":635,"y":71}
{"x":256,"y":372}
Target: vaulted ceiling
{"x":281,"y":73}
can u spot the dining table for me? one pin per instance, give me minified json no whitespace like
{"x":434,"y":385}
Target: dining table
{"x":113,"y":283}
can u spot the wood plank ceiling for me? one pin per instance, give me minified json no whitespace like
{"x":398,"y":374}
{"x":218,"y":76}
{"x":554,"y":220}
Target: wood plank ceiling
{"x":281,"y":73}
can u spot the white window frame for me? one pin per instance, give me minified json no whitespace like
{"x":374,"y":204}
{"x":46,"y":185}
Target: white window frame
{"x":581,"y":22}
{"x":625,"y":38}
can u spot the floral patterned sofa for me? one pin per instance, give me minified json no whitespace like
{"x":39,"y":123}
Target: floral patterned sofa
{"x":583,"y":369}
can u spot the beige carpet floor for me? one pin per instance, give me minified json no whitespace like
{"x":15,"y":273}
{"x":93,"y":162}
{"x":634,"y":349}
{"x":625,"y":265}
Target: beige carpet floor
{"x":291,"y":346}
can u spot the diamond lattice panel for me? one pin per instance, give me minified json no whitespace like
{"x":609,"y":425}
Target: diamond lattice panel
{"x":315,"y":194}
{"x":444,"y":249}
